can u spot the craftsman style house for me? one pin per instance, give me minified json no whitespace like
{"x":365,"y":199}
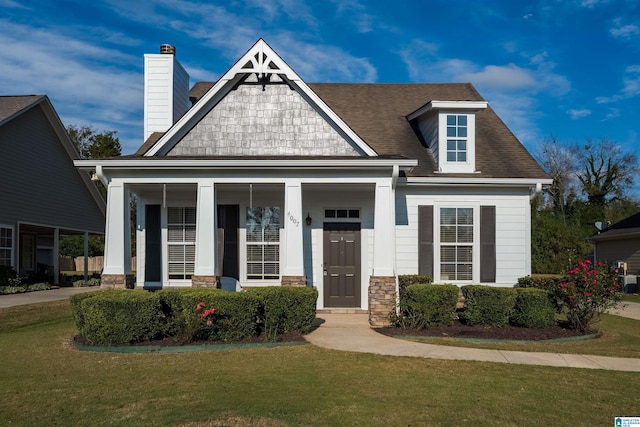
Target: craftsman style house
{"x":43,"y":196}
{"x":264,"y":179}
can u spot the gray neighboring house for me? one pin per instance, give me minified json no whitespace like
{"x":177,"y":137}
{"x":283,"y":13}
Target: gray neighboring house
{"x":620,"y":242}
{"x":42,"y":195}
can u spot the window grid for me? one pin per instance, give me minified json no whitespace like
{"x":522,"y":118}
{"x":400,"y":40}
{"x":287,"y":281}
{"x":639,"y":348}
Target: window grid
{"x":456,"y":138}
{"x":181,"y":241}
{"x":456,"y":244}
{"x":6,"y":246}
{"x":263,"y":243}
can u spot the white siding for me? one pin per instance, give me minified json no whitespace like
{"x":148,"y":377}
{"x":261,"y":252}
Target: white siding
{"x":513,"y":240}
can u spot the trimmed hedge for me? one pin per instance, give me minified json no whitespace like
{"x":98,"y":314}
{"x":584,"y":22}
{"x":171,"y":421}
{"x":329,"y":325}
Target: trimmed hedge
{"x":116,"y":317}
{"x":286,"y":309}
{"x":119,"y":317}
{"x":533,"y":309}
{"x":546,"y":283}
{"x":429,"y":305}
{"x":488,"y":305}
{"x":406,"y":280}
{"x":234,"y":318}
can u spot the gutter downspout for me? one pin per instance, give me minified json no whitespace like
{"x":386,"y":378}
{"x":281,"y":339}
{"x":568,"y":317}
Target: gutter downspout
{"x":535,"y":191}
{"x":101,"y":177}
{"x":394,"y":181}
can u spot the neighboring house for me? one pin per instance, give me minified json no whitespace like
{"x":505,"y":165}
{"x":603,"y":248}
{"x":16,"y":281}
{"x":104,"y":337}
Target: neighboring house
{"x":42,"y":195}
{"x":269,"y":180}
{"x":619,"y":243}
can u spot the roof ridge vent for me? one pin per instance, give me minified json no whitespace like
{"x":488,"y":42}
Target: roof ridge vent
{"x":167,"y":49}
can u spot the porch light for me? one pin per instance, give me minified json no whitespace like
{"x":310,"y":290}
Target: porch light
{"x":308,"y":219}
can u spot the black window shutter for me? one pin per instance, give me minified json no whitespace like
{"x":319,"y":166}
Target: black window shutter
{"x":487,"y":244}
{"x":425,"y":240}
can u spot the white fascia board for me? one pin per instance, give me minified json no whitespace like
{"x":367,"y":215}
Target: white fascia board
{"x":218,"y":91}
{"x":501,"y":182}
{"x":449,"y":105}
{"x":168,"y":163}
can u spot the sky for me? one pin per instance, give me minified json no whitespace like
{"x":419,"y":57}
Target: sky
{"x":563,"y":69}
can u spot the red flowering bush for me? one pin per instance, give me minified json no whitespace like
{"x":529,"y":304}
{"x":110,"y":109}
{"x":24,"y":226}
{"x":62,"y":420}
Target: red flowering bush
{"x":586,"y":292}
{"x":205,"y":313}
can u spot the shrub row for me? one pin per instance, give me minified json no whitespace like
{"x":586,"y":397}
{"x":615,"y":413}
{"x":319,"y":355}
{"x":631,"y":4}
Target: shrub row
{"x":406,"y":280}
{"x":425,"y":305}
{"x":24,"y":288}
{"x":525,"y":307}
{"x":115,"y":317}
{"x":547,"y":283}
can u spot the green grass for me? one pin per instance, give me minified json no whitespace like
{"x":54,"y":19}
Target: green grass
{"x":631,"y":297}
{"x":45,"y":381}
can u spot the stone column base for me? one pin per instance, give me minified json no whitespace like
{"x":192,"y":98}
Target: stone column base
{"x":205,"y":282}
{"x":382,"y":300}
{"x":117,"y":281}
{"x":294,"y":281}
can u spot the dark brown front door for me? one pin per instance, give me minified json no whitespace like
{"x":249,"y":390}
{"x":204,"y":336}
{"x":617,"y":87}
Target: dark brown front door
{"x":341,"y":265}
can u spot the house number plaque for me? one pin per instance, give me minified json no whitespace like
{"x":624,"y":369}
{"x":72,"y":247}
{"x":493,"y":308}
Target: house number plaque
{"x":293,"y":219}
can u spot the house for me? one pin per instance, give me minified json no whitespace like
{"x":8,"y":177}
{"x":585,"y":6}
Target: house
{"x":619,"y":244}
{"x":43,"y":196}
{"x":269,"y":180}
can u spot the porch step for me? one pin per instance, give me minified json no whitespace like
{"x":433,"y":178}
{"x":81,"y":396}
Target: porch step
{"x":342,"y":311}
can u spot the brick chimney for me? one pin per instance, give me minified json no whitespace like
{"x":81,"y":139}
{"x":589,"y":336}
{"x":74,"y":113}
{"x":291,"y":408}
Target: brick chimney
{"x":166,"y":90}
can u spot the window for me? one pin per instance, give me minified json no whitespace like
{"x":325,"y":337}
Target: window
{"x":6,"y":246}
{"x":456,"y":138}
{"x":181,"y":241}
{"x":342,"y":213}
{"x":263,"y":243}
{"x":456,"y":243}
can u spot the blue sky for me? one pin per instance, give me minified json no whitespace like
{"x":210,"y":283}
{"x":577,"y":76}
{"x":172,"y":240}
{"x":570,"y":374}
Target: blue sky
{"x":568,"y":69}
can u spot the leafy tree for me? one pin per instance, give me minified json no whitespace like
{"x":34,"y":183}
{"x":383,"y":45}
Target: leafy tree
{"x":558,"y":161}
{"x":93,"y":145}
{"x":73,"y":246}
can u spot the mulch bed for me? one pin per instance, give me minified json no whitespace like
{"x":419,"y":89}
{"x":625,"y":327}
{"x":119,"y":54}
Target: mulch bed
{"x":507,"y":332}
{"x":172,"y":342}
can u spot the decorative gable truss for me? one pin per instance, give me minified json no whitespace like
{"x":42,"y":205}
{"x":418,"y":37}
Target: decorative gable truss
{"x":257,"y":68}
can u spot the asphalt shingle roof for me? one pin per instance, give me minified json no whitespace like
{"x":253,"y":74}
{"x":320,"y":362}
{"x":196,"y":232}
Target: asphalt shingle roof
{"x":10,"y":105}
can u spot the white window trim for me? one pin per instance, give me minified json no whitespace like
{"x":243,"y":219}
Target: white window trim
{"x":166,"y":244}
{"x":475,"y":260}
{"x":457,"y":167}
{"x":12,"y":249}
{"x":244,"y":280}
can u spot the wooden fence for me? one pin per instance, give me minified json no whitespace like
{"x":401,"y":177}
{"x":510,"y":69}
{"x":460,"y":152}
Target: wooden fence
{"x":96,"y":263}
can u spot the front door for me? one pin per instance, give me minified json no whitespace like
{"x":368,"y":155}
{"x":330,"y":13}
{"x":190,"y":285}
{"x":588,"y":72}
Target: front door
{"x":341,"y":265}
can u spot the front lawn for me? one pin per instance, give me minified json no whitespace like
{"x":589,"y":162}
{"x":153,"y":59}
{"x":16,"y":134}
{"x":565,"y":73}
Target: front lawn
{"x":631,"y":297}
{"x":45,"y":381}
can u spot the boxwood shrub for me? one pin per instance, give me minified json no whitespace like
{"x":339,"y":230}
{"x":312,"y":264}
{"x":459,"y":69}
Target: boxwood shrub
{"x":533,"y":309}
{"x":117,"y":317}
{"x":285,"y":309}
{"x":427,"y":305}
{"x":547,"y":282}
{"x":234,"y":318}
{"x":405,"y":280}
{"x":488,"y":305}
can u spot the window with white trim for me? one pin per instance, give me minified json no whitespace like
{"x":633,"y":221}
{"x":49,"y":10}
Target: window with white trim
{"x":456,"y":243}
{"x":6,"y":245}
{"x":457,"y":138}
{"x":181,"y":242}
{"x":263,"y":243}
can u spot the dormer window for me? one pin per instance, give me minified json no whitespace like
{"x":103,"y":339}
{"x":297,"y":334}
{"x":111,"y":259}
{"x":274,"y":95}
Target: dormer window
{"x":456,"y":138}
{"x":453,"y":146}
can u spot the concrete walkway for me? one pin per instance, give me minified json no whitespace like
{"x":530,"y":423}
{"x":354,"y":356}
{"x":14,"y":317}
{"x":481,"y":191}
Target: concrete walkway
{"x":351,"y":332}
{"x":42,"y":296}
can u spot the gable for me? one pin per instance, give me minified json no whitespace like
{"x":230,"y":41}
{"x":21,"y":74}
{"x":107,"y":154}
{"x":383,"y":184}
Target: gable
{"x":263,"y":119}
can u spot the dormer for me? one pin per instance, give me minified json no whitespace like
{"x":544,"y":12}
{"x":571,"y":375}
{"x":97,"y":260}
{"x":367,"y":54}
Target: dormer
{"x":448,"y":129}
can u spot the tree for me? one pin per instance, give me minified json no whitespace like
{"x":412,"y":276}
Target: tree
{"x":558,"y":162}
{"x":604,"y":171}
{"x":93,"y":145}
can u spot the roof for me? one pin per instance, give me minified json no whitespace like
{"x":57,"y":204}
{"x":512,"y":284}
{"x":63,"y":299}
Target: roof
{"x":10,"y":106}
{"x":627,"y":228}
{"x":378,"y":113}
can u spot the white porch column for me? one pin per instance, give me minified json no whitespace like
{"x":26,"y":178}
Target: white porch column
{"x":293,"y":272}
{"x":86,"y":255}
{"x":206,"y":270}
{"x":384,"y":246}
{"x":117,"y":245}
{"x":56,"y":256}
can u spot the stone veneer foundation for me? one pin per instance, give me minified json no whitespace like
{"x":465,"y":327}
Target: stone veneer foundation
{"x":117,"y":281}
{"x":382,"y":300}
{"x":294,"y":281}
{"x":205,"y":282}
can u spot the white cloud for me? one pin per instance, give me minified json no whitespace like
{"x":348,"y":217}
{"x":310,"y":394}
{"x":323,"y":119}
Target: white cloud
{"x":630,"y":87}
{"x":633,"y":69}
{"x":613,"y":113}
{"x":509,"y":77}
{"x":592,"y":3}
{"x":624,"y":31}
{"x":577,"y":114}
